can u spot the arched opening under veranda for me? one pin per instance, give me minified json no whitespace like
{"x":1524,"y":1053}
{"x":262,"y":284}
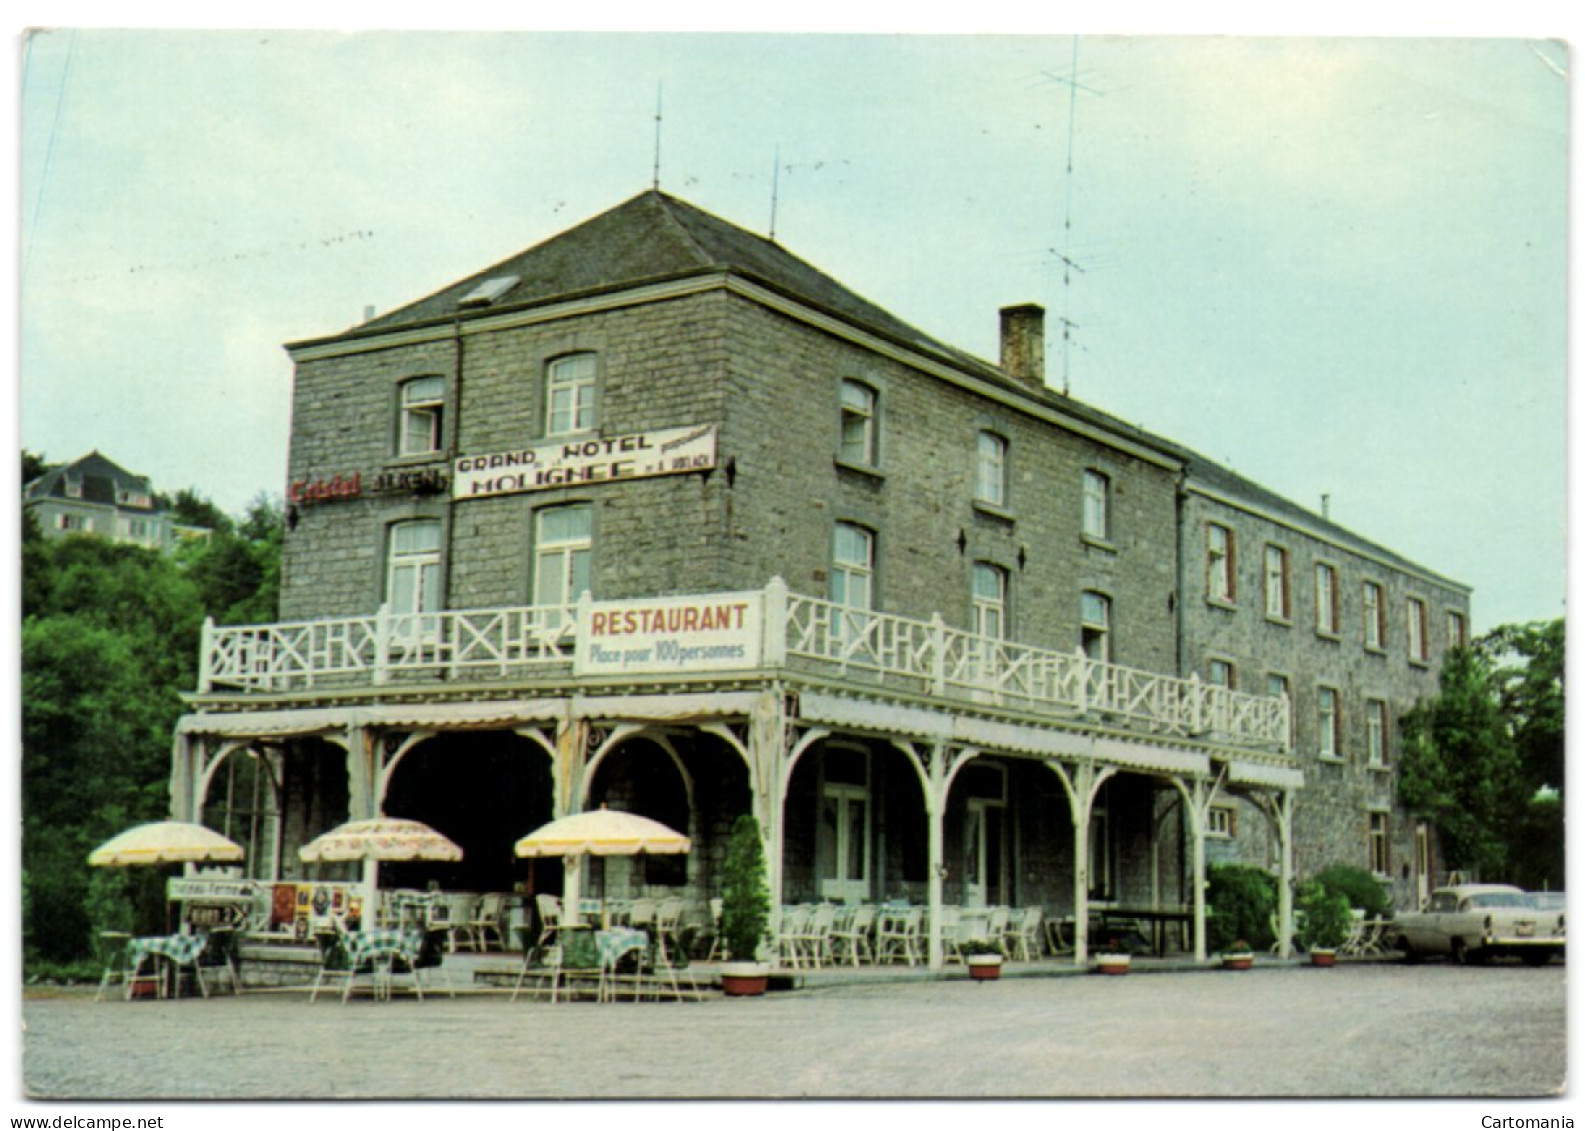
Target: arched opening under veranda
{"x":484,"y":790}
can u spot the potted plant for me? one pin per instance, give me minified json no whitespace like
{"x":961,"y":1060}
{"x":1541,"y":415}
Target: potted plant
{"x":1324,"y":921}
{"x":1113,"y":962}
{"x":1238,"y":956}
{"x":984,"y":965}
{"x":745,"y":911}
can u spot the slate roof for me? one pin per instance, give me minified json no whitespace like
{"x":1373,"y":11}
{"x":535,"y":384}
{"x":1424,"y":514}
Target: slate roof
{"x":100,"y":477}
{"x":654,"y":237}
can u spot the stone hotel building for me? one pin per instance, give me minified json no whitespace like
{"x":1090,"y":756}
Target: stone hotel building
{"x":656,"y":515}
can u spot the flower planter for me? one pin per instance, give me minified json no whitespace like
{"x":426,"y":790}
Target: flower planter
{"x":1323,"y":956}
{"x":984,"y":967}
{"x":1112,"y":963}
{"x":744,"y":979}
{"x":1238,"y":960}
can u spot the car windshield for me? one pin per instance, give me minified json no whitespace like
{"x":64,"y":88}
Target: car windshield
{"x":1547,"y":900}
{"x":1500,"y":899}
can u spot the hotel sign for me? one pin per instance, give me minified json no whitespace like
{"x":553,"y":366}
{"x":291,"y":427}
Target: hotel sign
{"x":721,"y":632}
{"x":642,"y":455}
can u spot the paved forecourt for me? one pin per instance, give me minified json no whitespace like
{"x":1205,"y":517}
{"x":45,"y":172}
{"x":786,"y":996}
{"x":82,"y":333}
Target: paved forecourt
{"x":1369,"y":1030}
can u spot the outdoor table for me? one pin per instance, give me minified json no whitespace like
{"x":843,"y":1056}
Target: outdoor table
{"x":379,"y":948}
{"x":614,"y":943}
{"x":177,"y":950}
{"x":1157,"y":917}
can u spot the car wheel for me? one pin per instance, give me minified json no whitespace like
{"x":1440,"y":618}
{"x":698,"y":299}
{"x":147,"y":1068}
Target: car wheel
{"x":1410,"y":955}
{"x":1460,"y":952}
{"x":1535,"y":957}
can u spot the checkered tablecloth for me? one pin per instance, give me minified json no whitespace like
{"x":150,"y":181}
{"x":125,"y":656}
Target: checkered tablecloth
{"x":384,"y":943}
{"x":180,"y":949}
{"x":614,"y":942}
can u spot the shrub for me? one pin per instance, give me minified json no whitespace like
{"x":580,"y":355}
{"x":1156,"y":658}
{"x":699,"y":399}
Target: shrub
{"x":1242,"y":901}
{"x":1326,"y":917}
{"x":1359,"y":887}
{"x":745,"y":902}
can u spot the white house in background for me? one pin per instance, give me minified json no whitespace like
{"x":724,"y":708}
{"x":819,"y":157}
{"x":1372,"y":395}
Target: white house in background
{"x":94,"y":495}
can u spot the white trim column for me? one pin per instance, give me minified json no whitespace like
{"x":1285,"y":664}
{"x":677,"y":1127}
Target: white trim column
{"x":1283,"y":809}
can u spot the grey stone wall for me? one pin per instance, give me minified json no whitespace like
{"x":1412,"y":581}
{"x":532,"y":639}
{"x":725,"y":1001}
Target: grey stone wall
{"x":1331,"y":819}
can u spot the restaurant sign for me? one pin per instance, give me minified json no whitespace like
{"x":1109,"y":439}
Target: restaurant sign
{"x":721,"y":632}
{"x":641,"y":455}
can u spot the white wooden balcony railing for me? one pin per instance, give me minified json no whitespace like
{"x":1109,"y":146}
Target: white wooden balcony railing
{"x":768,"y":630}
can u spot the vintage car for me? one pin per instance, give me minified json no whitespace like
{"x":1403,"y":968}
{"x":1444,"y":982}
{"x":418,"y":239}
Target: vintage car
{"x":1478,"y":922}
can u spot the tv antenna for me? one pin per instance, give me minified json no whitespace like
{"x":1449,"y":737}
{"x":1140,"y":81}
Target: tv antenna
{"x":775,"y":182}
{"x":655,"y":182}
{"x":1065,"y":256}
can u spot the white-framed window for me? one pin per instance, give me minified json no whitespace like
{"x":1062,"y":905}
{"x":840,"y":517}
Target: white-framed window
{"x":1095,"y":626}
{"x":1327,"y":733}
{"x":1221,"y":821}
{"x":1419,"y":631}
{"x":423,"y":406}
{"x":1374,"y":609}
{"x":1328,"y":612}
{"x":1097,"y":505}
{"x":1220,"y":564}
{"x":563,"y":557}
{"x":74,"y":487}
{"x":1457,"y":629}
{"x":569,"y":394}
{"x":853,"y":567}
{"x":412,"y":574}
{"x":990,"y":479}
{"x":1221,"y":673}
{"x":1279,"y":601}
{"x":857,"y":441}
{"x":990,"y":600}
{"x":1376,"y":733}
{"x":1278,"y":686}
{"x":1379,"y":844}
{"x":81,"y":524}
{"x":852,"y":583}
{"x":131,"y":497}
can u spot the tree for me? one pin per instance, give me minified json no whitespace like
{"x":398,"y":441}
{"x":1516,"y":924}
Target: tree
{"x":110,"y":640}
{"x":238,"y":570}
{"x":1528,"y":661}
{"x":192,"y":509}
{"x":1476,"y":756}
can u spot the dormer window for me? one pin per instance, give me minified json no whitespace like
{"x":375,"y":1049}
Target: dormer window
{"x":488,"y":291}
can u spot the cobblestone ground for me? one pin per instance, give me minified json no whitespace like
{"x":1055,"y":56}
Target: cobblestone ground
{"x":1381,"y":1030}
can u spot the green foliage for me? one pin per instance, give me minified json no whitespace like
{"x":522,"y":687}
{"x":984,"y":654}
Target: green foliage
{"x":191,"y":509}
{"x":238,"y":575}
{"x":1358,"y":887}
{"x":1536,"y":860}
{"x":109,"y":643}
{"x":745,"y":900}
{"x":1325,"y":916}
{"x":1242,"y":900}
{"x":1528,"y":663}
{"x":1460,"y":767}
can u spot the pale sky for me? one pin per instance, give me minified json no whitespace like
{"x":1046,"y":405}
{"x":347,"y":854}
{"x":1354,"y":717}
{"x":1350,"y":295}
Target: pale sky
{"x":1337,"y":266}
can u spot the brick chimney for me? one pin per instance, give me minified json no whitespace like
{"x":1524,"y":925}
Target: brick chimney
{"x":1024,"y":343}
